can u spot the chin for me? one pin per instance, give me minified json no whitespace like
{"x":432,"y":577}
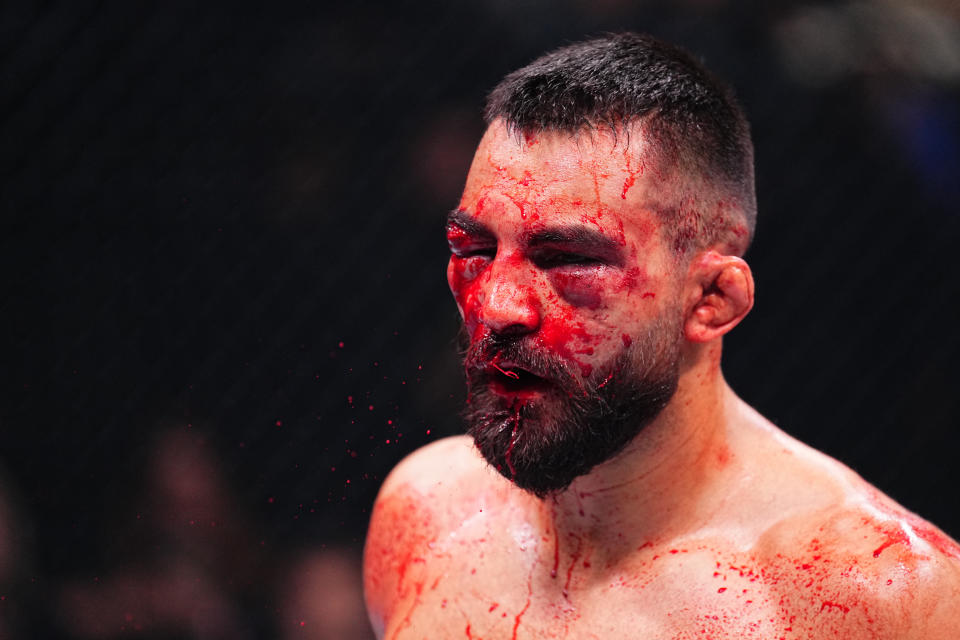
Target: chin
{"x":543,"y":441}
{"x":541,"y":425}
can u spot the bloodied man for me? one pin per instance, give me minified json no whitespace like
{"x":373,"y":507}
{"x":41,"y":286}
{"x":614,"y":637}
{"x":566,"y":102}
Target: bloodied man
{"x":612,"y":484}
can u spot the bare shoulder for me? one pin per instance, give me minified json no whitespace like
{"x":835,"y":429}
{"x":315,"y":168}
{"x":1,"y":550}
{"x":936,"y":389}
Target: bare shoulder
{"x":434,"y":465}
{"x":425,"y":498}
{"x":839,"y":558}
{"x":866,"y":567}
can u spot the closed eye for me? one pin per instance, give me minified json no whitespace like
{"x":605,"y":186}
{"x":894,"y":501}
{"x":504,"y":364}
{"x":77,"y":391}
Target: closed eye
{"x":467,"y":239}
{"x":558,"y":259}
{"x":470,"y":252}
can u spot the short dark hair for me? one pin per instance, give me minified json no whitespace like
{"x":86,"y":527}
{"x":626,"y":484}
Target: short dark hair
{"x":690,"y":116}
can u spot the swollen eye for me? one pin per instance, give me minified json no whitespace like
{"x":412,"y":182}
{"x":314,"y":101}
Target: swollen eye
{"x":554,"y":260}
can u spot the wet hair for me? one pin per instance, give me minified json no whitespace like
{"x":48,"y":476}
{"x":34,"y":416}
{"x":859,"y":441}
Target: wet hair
{"x":696,"y":128}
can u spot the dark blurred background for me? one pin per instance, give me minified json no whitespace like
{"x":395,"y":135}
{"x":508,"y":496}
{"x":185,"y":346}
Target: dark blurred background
{"x":222,"y":277}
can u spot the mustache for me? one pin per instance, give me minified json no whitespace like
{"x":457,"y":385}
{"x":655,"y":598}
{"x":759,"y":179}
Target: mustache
{"x":482,"y":354}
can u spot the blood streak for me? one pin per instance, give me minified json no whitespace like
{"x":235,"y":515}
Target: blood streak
{"x":556,"y":553}
{"x":513,"y":440}
{"x":509,"y":374}
{"x":400,"y":514}
{"x":879,"y":550}
{"x":520,"y":204}
{"x":631,"y":175}
{"x":606,"y":381}
{"x":596,"y":191}
{"x":516,"y":621}
{"x":481,"y":202}
{"x":573,"y":563}
{"x":834,"y":605}
{"x":621,"y":236}
{"x":894,"y":536}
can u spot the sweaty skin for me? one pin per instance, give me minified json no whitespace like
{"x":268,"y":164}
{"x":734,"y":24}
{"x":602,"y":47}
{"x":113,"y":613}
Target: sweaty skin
{"x":711,"y":524}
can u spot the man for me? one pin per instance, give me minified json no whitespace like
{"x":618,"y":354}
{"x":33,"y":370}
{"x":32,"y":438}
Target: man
{"x":615,"y":486}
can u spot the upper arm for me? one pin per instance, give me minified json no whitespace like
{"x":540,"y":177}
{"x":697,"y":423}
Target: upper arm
{"x":929,"y":604}
{"x":410,"y":513}
{"x":400,"y":529}
{"x":863,"y":573}
{"x":935,"y":609}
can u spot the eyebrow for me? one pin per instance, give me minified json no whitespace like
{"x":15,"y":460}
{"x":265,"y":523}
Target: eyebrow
{"x":577,"y":237}
{"x":468,"y":224}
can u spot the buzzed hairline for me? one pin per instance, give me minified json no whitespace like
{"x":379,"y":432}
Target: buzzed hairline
{"x":623,"y":82}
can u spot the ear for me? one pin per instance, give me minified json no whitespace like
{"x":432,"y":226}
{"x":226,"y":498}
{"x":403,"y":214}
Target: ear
{"x":719,"y":295}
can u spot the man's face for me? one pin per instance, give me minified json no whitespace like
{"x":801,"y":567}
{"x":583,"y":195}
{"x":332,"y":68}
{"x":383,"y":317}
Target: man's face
{"x":569,"y":299}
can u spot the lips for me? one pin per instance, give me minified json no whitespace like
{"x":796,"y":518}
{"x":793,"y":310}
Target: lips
{"x":509,"y":379}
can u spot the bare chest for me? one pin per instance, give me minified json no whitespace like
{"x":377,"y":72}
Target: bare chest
{"x":679,"y":593}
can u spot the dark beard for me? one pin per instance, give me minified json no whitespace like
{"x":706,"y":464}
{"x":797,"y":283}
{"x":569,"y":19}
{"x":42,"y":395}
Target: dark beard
{"x":542,"y":445}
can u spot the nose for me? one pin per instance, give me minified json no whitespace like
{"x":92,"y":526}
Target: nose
{"x":510,"y":306}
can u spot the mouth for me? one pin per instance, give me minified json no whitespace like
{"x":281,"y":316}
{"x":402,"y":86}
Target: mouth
{"x":514,"y":381}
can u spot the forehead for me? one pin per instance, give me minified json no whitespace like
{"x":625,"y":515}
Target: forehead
{"x":599,"y":177}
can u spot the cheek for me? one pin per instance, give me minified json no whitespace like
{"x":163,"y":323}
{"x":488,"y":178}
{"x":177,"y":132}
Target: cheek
{"x":463,"y":271}
{"x":565,"y":336}
{"x":564,"y":332}
{"x":640,"y":287}
{"x":462,"y":276}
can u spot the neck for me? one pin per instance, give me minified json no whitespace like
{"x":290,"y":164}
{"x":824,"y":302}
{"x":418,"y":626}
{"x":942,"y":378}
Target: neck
{"x":650,"y":491}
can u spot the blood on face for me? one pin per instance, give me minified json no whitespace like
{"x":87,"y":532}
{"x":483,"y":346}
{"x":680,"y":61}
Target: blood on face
{"x":546,"y":242}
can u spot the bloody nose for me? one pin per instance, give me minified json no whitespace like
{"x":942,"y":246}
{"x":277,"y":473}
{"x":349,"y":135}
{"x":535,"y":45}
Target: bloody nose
{"x":510,"y":307}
